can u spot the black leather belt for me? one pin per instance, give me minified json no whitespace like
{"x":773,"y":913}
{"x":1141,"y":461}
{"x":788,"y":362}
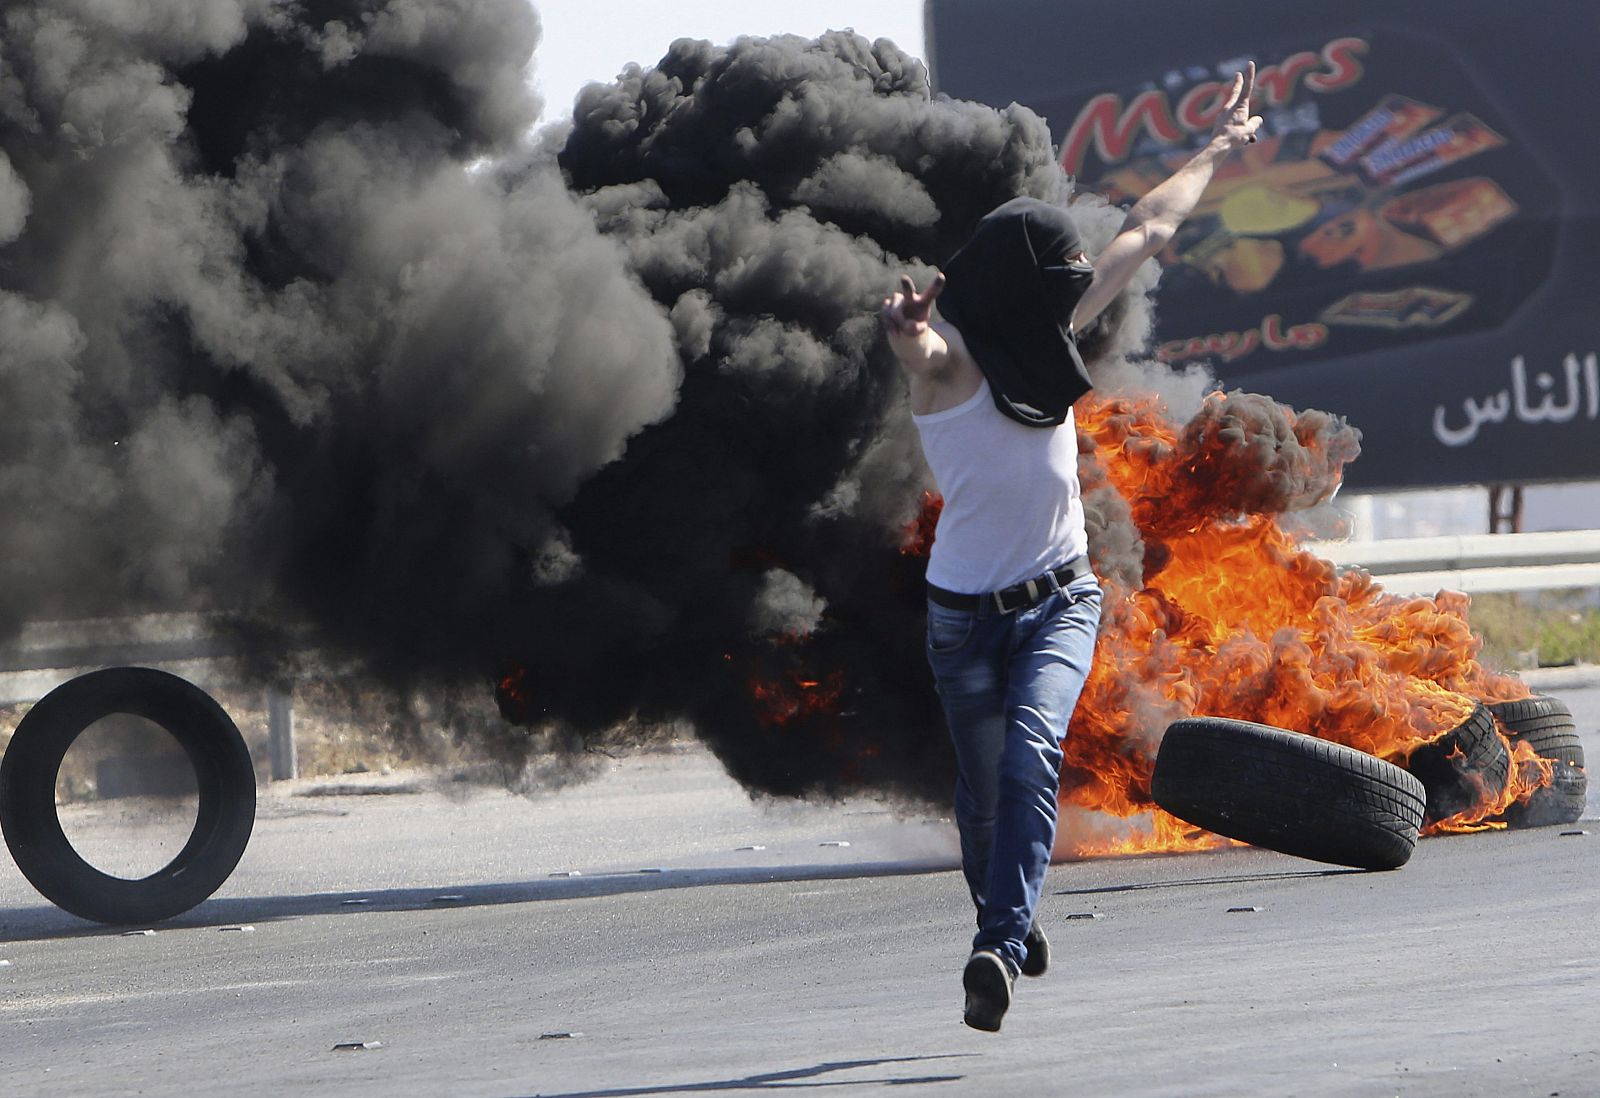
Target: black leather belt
{"x":1017,"y":596}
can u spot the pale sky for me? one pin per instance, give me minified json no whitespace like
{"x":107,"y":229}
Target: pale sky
{"x":589,"y":40}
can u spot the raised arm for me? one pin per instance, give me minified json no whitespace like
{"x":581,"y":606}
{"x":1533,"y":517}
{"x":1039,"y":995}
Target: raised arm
{"x":1155,"y":218}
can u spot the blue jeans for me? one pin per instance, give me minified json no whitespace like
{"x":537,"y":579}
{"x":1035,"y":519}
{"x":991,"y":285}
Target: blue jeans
{"x":1009,"y":683}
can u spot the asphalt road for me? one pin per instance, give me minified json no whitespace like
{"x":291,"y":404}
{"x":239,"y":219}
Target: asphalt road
{"x":678,"y":962}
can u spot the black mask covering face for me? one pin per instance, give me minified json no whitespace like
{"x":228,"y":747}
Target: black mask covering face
{"x":1011,"y":293}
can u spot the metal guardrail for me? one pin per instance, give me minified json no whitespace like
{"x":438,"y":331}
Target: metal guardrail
{"x":46,"y":654}
{"x":1474,"y":562}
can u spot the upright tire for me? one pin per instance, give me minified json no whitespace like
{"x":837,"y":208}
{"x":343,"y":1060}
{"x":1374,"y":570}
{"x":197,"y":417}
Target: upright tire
{"x":224,"y":776}
{"x":1462,"y":769}
{"x":1288,"y":792}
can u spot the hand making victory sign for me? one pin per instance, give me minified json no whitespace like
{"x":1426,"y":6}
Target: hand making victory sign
{"x":906,"y":312}
{"x":936,"y":377}
{"x":1235,"y":124}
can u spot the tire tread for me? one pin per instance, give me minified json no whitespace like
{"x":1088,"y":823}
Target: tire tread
{"x":1288,"y":792}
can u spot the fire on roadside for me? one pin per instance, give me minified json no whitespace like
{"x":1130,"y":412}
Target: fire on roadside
{"x":1230,"y":618}
{"x":1235,"y":620}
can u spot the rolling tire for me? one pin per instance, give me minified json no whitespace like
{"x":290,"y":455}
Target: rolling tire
{"x":1288,"y":792}
{"x":1462,"y":769}
{"x":1565,"y":798}
{"x":224,"y":776}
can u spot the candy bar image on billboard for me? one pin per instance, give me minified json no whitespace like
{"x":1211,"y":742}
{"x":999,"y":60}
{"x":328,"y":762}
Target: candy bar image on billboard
{"x":1400,"y":161}
{"x":1412,"y":307}
{"x":1393,"y":119}
{"x":1452,"y":214}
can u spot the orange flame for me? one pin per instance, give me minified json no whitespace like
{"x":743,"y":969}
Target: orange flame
{"x":917,"y":535}
{"x":1529,"y":773}
{"x":1235,"y":620}
{"x":792,"y":695}
{"x":513,"y":696}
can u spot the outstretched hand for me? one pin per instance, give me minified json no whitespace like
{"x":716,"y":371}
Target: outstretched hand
{"x":906,"y":312}
{"x":1235,"y":125}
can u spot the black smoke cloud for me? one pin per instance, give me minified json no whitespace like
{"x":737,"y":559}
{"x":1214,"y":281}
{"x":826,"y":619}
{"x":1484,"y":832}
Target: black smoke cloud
{"x":300,"y":328}
{"x":767,"y":194}
{"x":270,"y":349}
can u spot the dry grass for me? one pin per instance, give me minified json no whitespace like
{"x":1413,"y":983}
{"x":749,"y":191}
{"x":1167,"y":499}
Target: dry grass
{"x":1538,"y":628}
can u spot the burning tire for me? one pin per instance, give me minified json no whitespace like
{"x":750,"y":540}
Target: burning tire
{"x":223,"y":774}
{"x":1533,"y":713}
{"x":1462,"y":769}
{"x":1545,"y":724}
{"x":1288,"y":792}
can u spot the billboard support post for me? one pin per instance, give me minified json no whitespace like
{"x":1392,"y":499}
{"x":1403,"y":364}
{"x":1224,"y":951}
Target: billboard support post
{"x":1505,"y":508}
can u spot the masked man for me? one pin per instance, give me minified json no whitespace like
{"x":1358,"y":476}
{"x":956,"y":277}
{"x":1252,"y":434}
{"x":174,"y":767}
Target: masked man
{"x":1013,"y":606}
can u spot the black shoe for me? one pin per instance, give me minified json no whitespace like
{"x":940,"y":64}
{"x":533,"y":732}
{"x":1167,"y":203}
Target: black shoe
{"x":1038,"y":958}
{"x":988,"y":982}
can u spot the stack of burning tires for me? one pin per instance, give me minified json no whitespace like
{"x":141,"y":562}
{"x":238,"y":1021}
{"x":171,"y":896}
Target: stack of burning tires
{"x":1301,"y":795}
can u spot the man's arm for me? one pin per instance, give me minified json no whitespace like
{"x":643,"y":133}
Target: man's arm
{"x":1155,"y":218}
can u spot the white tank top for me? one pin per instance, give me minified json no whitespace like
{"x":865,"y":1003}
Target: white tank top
{"x":1012,"y":507}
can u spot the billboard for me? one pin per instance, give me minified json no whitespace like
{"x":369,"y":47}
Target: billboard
{"x":1414,"y":243}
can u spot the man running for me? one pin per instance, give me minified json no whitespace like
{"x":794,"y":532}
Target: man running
{"x":1013,"y":605}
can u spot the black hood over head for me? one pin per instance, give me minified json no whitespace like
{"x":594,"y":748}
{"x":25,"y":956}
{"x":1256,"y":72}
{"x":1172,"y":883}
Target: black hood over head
{"x":1011,"y":293}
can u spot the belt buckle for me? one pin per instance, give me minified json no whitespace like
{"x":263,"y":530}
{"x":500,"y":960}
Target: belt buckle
{"x":1027,"y":593}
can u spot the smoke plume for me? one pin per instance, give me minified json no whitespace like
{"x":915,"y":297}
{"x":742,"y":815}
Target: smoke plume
{"x":270,"y":349}
{"x":301,"y":327}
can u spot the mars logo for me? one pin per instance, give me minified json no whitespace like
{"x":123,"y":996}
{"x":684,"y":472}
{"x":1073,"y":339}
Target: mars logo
{"x":1113,"y":127}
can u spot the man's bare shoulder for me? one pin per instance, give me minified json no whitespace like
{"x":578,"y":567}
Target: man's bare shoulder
{"x":953,"y":382}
